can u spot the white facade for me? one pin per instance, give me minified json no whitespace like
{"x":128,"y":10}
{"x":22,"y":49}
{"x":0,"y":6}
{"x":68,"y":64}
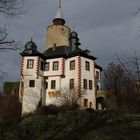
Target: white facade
{"x":31,"y":96}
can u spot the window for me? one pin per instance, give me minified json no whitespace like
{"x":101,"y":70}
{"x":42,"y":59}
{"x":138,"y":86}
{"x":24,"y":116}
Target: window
{"x":42,"y":65}
{"x":46,"y":84}
{"x":46,"y":67}
{"x":87,"y":66}
{"x":97,"y":87}
{"x":97,"y":75}
{"x":85,"y":84}
{"x":72,"y":65}
{"x":90,"y":105}
{"x":71,"y":83}
{"x":55,"y":65}
{"x":85,"y":102}
{"x":53,"y":84}
{"x":32,"y":83}
{"x":30,"y":63}
{"x":90,"y":84}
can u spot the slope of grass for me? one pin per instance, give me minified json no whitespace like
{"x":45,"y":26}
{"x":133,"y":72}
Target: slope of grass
{"x":74,"y":125}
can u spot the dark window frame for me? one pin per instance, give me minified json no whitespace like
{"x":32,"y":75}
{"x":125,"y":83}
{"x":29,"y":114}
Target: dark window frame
{"x":85,"y":83}
{"x":46,"y":85}
{"x":56,"y":65}
{"x":32,"y":83}
{"x":87,"y":65}
{"x":90,"y":84}
{"x":53,"y":84}
{"x":85,"y":102}
{"x":30,"y":63}
{"x":47,"y":66}
{"x":71,"y":83}
{"x":97,"y":75}
{"x":72,"y":65}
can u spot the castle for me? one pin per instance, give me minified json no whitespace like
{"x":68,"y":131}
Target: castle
{"x":63,"y":65}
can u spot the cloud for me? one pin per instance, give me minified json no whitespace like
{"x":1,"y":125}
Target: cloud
{"x":106,"y":27}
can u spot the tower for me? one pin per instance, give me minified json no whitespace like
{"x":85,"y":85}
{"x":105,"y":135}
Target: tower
{"x":58,"y":32}
{"x":32,"y":80}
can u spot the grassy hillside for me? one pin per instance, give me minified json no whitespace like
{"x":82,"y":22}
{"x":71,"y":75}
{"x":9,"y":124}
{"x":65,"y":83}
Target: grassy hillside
{"x":74,"y":125}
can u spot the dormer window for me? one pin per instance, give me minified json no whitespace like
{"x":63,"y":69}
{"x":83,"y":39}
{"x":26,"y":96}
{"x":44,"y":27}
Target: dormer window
{"x":30,"y":63}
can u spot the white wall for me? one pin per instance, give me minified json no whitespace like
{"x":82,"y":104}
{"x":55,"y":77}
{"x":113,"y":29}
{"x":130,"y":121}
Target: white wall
{"x":70,"y":74}
{"x":88,"y":75}
{"x":51,"y":72}
{"x":31,"y":95}
{"x":34,"y":94}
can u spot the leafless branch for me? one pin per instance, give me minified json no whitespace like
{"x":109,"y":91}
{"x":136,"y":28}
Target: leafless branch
{"x":70,"y":97}
{"x":123,"y":79}
{"x":11,"y":7}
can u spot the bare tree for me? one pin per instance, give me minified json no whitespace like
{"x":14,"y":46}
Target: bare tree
{"x":123,"y":80}
{"x":9,"y":8}
{"x":70,"y":97}
{"x":131,"y":66}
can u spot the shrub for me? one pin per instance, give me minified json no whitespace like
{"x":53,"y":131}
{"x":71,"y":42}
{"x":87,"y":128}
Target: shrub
{"x":90,"y":110}
{"x":50,"y":109}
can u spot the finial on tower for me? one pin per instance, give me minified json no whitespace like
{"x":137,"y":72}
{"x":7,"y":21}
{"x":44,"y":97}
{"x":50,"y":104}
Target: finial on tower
{"x":59,"y":20}
{"x":31,"y":38}
{"x":60,"y":3}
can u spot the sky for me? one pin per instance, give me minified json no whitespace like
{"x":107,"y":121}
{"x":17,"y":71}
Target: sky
{"x":105,"y":27}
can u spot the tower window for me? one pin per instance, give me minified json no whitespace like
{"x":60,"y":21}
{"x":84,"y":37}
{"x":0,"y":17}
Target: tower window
{"x":71,"y":83}
{"x":87,"y":66}
{"x":47,"y":65}
{"x":85,"y":83}
{"x":30,"y":63}
{"x":90,"y":84}
{"x":32,"y":83}
{"x":53,"y":84}
{"x":72,"y":65}
{"x":55,"y":65}
{"x":85,"y":102}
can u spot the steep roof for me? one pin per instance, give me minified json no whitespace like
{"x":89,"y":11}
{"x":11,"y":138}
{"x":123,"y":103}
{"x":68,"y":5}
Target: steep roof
{"x":64,"y":51}
{"x":55,"y":52}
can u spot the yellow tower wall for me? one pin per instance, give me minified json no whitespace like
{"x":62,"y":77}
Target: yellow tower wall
{"x":57,"y":34}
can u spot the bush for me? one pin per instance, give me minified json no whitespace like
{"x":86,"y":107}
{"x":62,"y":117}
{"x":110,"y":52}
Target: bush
{"x":10,"y":108}
{"x":50,"y":109}
{"x":90,"y":110}
{"x":27,"y":115}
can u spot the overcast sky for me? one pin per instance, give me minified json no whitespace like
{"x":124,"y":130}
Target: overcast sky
{"x":105,"y":27}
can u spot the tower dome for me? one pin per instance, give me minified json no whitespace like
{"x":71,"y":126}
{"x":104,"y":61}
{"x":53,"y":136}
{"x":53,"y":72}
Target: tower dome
{"x":30,"y":45}
{"x":73,"y":34}
{"x":74,"y":41}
